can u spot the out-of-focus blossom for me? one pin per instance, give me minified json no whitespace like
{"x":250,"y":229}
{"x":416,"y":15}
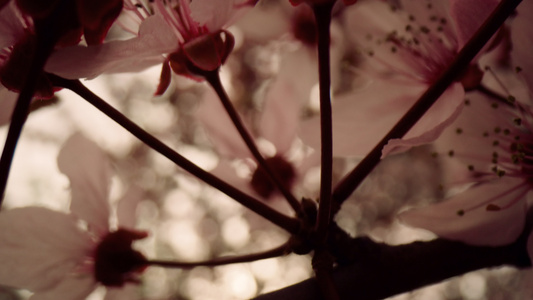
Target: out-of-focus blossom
{"x":186,"y":37}
{"x":65,"y":256}
{"x":17,"y":45}
{"x":18,"y":40}
{"x":493,"y":141}
{"x":90,"y":18}
{"x":408,"y":45}
{"x":489,"y":144}
{"x":278,"y":124}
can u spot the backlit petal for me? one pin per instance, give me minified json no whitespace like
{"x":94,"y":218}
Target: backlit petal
{"x":76,"y":287}
{"x":90,"y":176}
{"x":478,"y":224}
{"x":39,"y":247}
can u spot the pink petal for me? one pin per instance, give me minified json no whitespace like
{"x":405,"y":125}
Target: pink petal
{"x":522,"y":39}
{"x":73,"y":288}
{"x":370,"y":23}
{"x":361,"y":119}
{"x":468,"y":15}
{"x":285,"y":97}
{"x":479,"y":226}
{"x":11,"y":29}
{"x":221,"y":131}
{"x":432,"y":124}
{"x":8,"y":100}
{"x":471,"y":139}
{"x":127,"y":207}
{"x":218,"y":14}
{"x":127,"y":292}
{"x":39,"y":247}
{"x":131,"y":55}
{"x":90,"y":176}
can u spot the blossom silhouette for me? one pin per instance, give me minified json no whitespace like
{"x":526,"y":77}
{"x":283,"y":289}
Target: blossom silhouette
{"x":278,"y":125}
{"x":186,"y":37}
{"x":407,"y":46}
{"x":54,"y":255}
{"x":492,"y":142}
{"x":18,"y":41}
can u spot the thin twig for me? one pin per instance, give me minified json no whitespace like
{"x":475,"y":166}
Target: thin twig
{"x":276,"y":252}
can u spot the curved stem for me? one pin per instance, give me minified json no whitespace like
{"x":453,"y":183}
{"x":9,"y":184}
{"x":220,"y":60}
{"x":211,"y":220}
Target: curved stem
{"x":276,"y":252}
{"x":289,"y":224}
{"x":322,"y":14}
{"x":213,"y":78}
{"x":351,"y":181}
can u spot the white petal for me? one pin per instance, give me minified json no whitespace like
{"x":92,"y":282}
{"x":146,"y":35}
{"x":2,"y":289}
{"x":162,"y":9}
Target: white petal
{"x":127,"y":207}
{"x":128,"y":292}
{"x":361,"y":119}
{"x":72,"y":288}
{"x":39,"y":247}
{"x":219,"y":127}
{"x":285,"y":97}
{"x":90,"y":176}
{"x":428,"y":128}
{"x":477,"y":226}
{"x":131,"y":55}
{"x":217,"y":14}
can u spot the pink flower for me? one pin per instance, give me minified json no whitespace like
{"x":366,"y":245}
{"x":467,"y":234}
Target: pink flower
{"x":491,"y":142}
{"x":18,"y":40}
{"x":187,"y":37}
{"x":408,"y":46}
{"x":277,"y":127}
{"x":54,"y":254}
{"x":17,"y":43}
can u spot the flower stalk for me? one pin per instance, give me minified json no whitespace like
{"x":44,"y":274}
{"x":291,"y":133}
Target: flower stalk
{"x":322,"y":14}
{"x":271,"y":253}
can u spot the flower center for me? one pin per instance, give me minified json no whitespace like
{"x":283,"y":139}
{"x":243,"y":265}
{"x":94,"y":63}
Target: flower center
{"x":115,"y":261}
{"x":420,"y":50}
{"x":281,"y":168}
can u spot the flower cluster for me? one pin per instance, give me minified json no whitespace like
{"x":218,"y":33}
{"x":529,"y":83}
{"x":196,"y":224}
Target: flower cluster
{"x":333,"y":88}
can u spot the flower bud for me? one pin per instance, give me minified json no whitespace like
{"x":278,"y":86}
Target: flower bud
{"x":205,"y":53}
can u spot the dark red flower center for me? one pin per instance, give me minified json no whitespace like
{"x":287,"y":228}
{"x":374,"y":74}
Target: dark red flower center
{"x":281,"y":168}
{"x":115,"y":261}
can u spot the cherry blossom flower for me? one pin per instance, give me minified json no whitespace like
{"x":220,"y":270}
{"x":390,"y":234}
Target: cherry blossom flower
{"x":279,"y":121}
{"x":18,"y":41}
{"x":186,"y":37}
{"x":408,"y":45}
{"x":491,"y":144}
{"x":65,"y":256}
